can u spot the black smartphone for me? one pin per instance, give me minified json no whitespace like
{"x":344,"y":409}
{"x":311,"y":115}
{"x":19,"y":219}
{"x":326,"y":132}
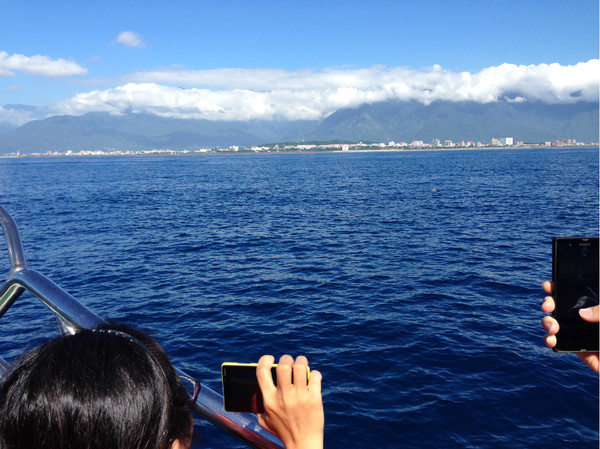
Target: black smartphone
{"x":575,"y":275}
{"x":240,"y":387}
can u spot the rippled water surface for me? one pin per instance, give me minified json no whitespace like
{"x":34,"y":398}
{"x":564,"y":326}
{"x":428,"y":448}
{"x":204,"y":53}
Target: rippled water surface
{"x":411,"y":280}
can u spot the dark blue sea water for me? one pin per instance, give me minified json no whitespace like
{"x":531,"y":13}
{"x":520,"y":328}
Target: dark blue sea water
{"x":421,"y":309}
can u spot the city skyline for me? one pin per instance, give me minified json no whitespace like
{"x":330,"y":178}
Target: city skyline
{"x":436,"y":144}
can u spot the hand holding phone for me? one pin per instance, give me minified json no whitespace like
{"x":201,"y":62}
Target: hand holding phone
{"x":575,"y":276}
{"x":241,"y":391}
{"x":294,"y":408}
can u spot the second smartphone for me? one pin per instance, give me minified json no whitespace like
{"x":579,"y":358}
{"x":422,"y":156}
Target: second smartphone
{"x":575,"y":270}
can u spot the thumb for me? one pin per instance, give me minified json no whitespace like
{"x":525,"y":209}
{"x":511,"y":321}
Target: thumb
{"x":590,"y":314}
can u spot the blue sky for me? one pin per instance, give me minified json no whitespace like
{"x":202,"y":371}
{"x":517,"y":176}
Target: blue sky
{"x":283,"y":59}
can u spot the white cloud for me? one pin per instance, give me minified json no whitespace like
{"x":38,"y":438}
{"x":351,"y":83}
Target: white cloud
{"x":130,"y":39}
{"x":18,"y":116}
{"x":243,"y":94}
{"x":38,"y":65}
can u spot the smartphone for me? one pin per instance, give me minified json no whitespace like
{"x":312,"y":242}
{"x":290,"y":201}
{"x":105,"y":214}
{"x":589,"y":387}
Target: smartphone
{"x":240,"y":387}
{"x":575,"y":275}
{"x":241,"y":392}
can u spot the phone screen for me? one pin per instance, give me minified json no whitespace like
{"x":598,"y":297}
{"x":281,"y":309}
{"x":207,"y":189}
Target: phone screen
{"x":240,"y":387}
{"x":575,"y":276}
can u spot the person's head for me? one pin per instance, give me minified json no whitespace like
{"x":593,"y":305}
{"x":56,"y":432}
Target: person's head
{"x":104,"y":388}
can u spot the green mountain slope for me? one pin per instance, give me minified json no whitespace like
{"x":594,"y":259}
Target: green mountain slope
{"x":380,"y":122}
{"x":407,"y":121}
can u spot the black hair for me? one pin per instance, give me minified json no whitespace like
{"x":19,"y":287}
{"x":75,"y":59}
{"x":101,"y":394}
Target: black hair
{"x":112,"y":387}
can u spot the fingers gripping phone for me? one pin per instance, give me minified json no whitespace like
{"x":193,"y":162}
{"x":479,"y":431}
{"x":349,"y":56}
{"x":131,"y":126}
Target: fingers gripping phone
{"x":575,"y":275}
{"x":241,"y":392}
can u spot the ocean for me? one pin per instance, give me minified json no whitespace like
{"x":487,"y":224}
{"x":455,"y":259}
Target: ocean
{"x":411,"y":280}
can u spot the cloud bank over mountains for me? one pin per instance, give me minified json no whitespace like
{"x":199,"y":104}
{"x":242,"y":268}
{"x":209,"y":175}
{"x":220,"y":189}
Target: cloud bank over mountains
{"x":277,"y":94}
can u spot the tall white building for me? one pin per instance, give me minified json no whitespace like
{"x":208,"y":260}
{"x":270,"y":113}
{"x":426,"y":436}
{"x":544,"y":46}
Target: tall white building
{"x":506,"y":141}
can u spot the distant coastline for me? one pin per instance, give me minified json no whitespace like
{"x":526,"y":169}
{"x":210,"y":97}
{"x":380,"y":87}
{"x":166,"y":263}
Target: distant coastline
{"x":398,"y":125}
{"x":290,"y":148}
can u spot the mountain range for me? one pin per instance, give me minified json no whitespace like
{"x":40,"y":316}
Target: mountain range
{"x":529,"y":122}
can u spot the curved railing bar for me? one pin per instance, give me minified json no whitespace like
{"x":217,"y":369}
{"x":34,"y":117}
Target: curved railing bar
{"x":13,"y":241}
{"x":64,"y":306}
{"x":73,"y":316}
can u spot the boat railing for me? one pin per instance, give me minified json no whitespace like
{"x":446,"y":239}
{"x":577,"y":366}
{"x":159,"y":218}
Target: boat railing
{"x":73,"y":316}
